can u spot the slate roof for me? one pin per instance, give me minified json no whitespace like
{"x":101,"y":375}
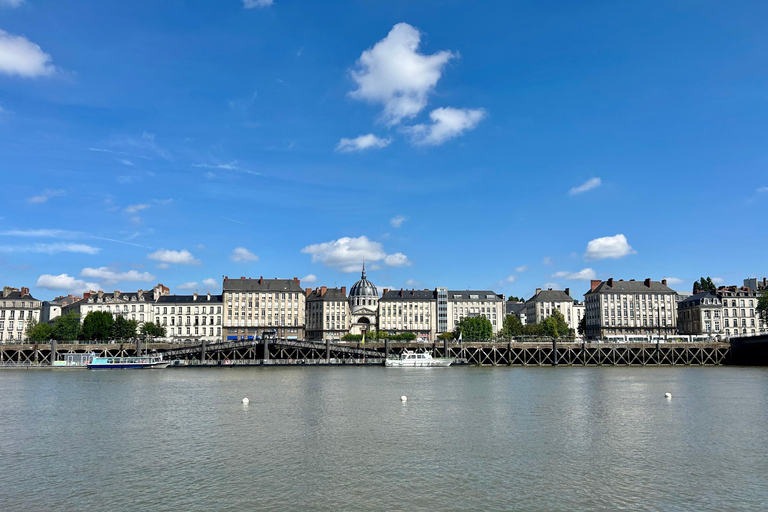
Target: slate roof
{"x":201,"y":299}
{"x":696,"y":299}
{"x":267,"y":285}
{"x":16,"y":295}
{"x":331,"y":294}
{"x":631,"y":287}
{"x":409,"y":295}
{"x":551,"y":296}
{"x":482,"y":294}
{"x":514,"y":308}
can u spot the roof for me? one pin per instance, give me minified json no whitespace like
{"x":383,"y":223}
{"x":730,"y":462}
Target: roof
{"x":331,"y":294}
{"x":695,"y":299}
{"x":16,"y":295}
{"x":409,"y":295}
{"x":465,"y":295}
{"x":551,"y":296}
{"x":262,"y":285}
{"x":363,"y":288}
{"x":514,"y":308}
{"x":631,"y":287}
{"x":201,"y":299}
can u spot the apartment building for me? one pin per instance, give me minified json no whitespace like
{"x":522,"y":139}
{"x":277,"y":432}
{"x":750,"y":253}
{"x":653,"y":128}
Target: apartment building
{"x":740,"y":315}
{"x":464,"y":303}
{"x":413,"y":311}
{"x":190,"y":318}
{"x":544,"y":303}
{"x":138,"y":305}
{"x":328,"y":314}
{"x":701,"y":313}
{"x":18,"y":310}
{"x":253,"y":307}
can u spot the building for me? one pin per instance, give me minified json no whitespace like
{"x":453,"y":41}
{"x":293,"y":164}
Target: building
{"x":328,"y":314}
{"x":415,"y":311}
{"x":517,"y":309}
{"x":630,"y":308}
{"x":464,"y":303}
{"x":545,"y":302}
{"x":363,"y":306}
{"x":253,"y":307}
{"x":52,"y":308}
{"x":18,"y":310}
{"x":138,"y":305}
{"x":740,"y":315}
{"x":700,"y":314}
{"x":753,"y":284}
{"x":190,"y":318}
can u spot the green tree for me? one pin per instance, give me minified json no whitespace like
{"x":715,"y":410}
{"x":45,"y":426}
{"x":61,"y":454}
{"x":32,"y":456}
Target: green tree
{"x":512,"y":326}
{"x":533,"y":330}
{"x":67,"y":327}
{"x":583,"y":326}
{"x":762,"y":305}
{"x":446,"y":336}
{"x":352,"y":337}
{"x":39,"y":332}
{"x":515,"y":299}
{"x":152,"y":330}
{"x":476,"y":328}
{"x":97,"y":325}
{"x":704,"y":285}
{"x":123,"y":329}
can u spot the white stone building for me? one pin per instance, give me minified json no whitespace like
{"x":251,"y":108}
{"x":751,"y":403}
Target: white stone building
{"x":138,"y":305}
{"x":414,"y":311}
{"x":545,"y":302}
{"x":253,"y":307}
{"x":701,"y":314}
{"x":363,"y":306}
{"x":328,"y":314}
{"x":468,"y":303}
{"x":18,"y":310}
{"x":190,"y":318}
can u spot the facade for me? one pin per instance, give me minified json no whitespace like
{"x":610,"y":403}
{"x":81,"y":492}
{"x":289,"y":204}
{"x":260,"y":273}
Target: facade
{"x":701,"y":313}
{"x":52,"y":308}
{"x":253,"y":307}
{"x":415,"y":311}
{"x":630,"y":308}
{"x":137,"y":305}
{"x":190,"y":318}
{"x":517,"y":309}
{"x":756,"y":285}
{"x":363,"y":306}
{"x":545,"y":302}
{"x":328,"y":314}
{"x":18,"y":309}
{"x":740,"y":315}
{"x":463,"y":303}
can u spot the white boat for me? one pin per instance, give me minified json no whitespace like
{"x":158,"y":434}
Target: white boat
{"x":138,"y":362}
{"x":410,"y":359}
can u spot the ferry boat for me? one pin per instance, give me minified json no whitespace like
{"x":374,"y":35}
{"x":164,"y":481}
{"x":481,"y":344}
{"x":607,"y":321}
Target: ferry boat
{"x":410,"y":359}
{"x":138,"y":362}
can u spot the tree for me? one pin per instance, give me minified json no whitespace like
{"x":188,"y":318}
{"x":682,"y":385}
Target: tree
{"x":704,"y":285}
{"x":39,"y":332}
{"x":583,"y":326}
{"x":515,"y":299}
{"x":67,"y":327}
{"x":123,"y":329}
{"x":533,"y":330}
{"x":97,"y":325}
{"x":446,"y":336}
{"x":762,"y":305}
{"x":512,"y":326}
{"x":474,"y":329}
{"x":152,"y":330}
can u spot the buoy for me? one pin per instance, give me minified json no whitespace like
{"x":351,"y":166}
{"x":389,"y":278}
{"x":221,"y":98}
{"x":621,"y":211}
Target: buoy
{"x":668,"y":395}
{"x":403,"y":398}
{"x":246,"y":401}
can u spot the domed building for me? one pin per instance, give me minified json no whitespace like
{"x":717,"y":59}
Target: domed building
{"x":363,"y":306}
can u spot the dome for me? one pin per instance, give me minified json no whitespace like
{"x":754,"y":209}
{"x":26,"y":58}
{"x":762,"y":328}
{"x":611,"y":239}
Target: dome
{"x":363,"y":288}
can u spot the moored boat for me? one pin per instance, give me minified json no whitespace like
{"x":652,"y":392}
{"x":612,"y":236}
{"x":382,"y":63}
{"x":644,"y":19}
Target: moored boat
{"x":410,"y":359}
{"x":135,"y":362}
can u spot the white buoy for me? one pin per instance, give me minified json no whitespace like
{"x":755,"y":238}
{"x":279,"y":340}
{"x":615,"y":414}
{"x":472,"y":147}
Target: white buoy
{"x":403,"y":398}
{"x":246,"y":401}
{"x":668,"y":395}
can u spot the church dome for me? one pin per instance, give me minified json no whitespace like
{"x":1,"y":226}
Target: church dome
{"x":363,"y":288}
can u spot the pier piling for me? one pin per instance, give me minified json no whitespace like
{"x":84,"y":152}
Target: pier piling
{"x":52,"y":355}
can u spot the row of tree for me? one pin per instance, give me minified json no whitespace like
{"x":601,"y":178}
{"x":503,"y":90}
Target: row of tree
{"x":704,"y":285}
{"x":377,"y":335}
{"x":96,"y":326}
{"x":554,"y":326}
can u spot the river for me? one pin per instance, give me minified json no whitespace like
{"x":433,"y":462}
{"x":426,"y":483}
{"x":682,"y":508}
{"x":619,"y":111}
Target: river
{"x":328,"y":439}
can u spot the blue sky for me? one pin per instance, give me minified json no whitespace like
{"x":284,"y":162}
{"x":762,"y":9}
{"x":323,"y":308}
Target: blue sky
{"x":506,"y":145}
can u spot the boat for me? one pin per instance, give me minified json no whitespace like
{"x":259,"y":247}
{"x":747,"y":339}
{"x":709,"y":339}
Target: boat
{"x":137,"y":362}
{"x":410,"y":359}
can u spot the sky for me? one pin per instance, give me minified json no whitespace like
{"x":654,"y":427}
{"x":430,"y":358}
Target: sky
{"x":502,"y":145}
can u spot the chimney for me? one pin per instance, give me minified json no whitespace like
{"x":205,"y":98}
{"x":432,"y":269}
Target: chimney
{"x":401,"y":292}
{"x":344,"y":290}
{"x":209,"y":296}
{"x":101,"y":293}
{"x":610,"y":282}
{"x":116,"y":294}
{"x":385,"y":292}
{"x":87,"y":295}
{"x":194,"y":296}
{"x":242,"y":277}
{"x":538,"y":291}
{"x":308,"y":292}
{"x":664,"y":282}
{"x":323,"y":289}
{"x":594,"y":283}
{"x":296,"y":280}
{"x":226,"y":278}
{"x":24,"y":291}
{"x":568,"y":292}
{"x":7,"y":291}
{"x":647,"y":282}
{"x":261,"y":280}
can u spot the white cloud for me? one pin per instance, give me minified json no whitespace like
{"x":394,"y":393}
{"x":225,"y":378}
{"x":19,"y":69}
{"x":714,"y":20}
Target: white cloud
{"x":210,"y":282}
{"x":673,"y":280}
{"x":309,"y":278}
{"x":133,"y":208}
{"x":361,"y":143}
{"x":112,"y":276}
{"x":553,"y":286}
{"x":582,"y":275}
{"x":11,"y":3}
{"x":232,"y":166}
{"x":587,"y":185}
{"x":66,"y":283}
{"x":252,"y":4}
{"x":191,"y":285}
{"x":447,"y":123}
{"x":521,"y":268}
{"x":183,"y":257}
{"x":242,"y":255}
{"x":762,"y":189}
{"x":127,"y":162}
{"x":50,"y":248}
{"x":347,"y":254}
{"x":45,"y":196}
{"x":394,"y":74}
{"x":547,"y":261}
{"x":608,"y":247}
{"x":41,"y":233}
{"x":162,"y":265}
{"x":718,"y":280}
{"x":19,"y":56}
{"x":397,"y":221}
{"x":412,"y":282}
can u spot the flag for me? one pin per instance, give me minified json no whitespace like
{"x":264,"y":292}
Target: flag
{"x":460,"y":334}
